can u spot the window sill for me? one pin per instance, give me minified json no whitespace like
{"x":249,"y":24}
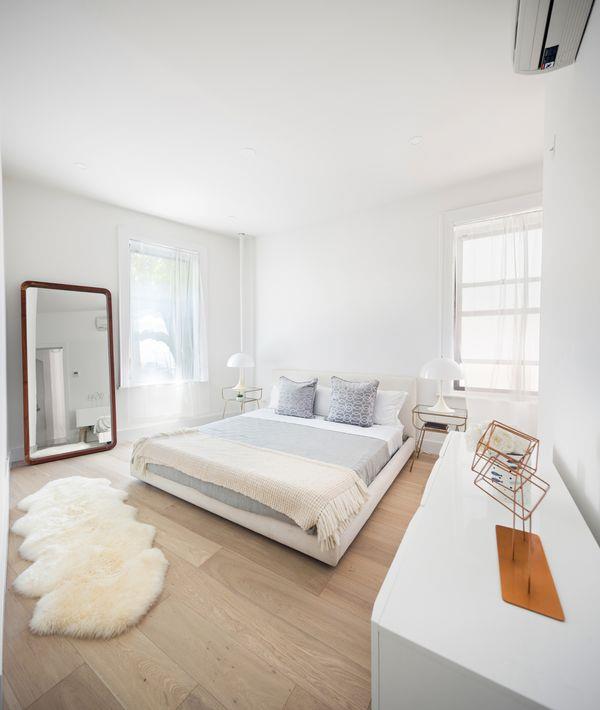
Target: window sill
{"x":162,"y":384}
{"x":453,"y":394}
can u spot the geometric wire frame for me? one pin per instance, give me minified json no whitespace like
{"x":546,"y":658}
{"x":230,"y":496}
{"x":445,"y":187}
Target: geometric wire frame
{"x":509,"y":477}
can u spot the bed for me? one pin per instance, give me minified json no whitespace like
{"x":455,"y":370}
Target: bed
{"x":375,"y":455}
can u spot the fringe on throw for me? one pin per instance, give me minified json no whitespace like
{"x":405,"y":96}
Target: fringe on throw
{"x":338,"y":513}
{"x":138,"y":462}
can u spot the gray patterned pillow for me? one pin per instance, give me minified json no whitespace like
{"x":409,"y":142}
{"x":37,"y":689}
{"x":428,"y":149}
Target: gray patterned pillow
{"x":296,"y":399}
{"x":352,"y":402}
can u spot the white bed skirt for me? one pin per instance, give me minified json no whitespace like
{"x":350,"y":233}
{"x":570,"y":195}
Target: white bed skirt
{"x":286,"y":533}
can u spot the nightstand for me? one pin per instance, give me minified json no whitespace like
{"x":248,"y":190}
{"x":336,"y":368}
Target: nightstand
{"x":424,"y":420}
{"x":251,"y":395}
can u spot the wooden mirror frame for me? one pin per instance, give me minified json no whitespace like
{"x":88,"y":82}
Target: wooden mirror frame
{"x":111,"y":370}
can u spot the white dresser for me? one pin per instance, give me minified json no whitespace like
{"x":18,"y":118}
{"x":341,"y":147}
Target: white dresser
{"x":441,"y":635}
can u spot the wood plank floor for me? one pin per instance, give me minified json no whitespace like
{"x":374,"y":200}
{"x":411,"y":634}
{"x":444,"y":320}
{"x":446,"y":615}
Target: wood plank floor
{"x":243,"y":622}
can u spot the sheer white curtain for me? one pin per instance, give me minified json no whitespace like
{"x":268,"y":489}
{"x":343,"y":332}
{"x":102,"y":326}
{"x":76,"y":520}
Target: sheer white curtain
{"x":497,"y":306}
{"x":167,"y":333}
{"x":54,"y":394}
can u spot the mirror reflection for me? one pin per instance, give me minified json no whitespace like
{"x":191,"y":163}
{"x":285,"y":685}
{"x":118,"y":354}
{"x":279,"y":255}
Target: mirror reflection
{"x":69,"y":375}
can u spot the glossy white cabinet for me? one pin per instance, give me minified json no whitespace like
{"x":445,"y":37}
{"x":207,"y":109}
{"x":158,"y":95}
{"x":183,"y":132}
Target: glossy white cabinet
{"x":441,"y":635}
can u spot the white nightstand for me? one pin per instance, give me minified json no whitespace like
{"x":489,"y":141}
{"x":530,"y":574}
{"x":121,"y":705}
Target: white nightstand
{"x":251,"y":395}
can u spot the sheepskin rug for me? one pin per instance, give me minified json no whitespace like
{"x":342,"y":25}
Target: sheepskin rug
{"x":94,"y":567}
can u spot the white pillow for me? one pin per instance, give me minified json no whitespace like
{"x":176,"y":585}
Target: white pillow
{"x":388,"y":404}
{"x":322,"y":401}
{"x":274,"y":401}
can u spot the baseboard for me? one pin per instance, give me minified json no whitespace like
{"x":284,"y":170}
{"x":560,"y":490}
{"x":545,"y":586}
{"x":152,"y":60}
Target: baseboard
{"x":167,"y":425}
{"x":432,"y":447}
{"x":16,"y":455}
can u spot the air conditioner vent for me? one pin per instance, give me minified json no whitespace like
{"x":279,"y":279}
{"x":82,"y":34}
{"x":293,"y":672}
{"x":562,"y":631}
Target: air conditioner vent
{"x":548,"y":33}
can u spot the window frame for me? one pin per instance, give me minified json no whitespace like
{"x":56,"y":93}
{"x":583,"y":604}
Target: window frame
{"x":146,"y":236}
{"x":449,"y":333}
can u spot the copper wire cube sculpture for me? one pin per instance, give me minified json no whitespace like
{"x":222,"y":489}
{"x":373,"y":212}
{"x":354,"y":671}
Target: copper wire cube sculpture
{"x":505,"y":463}
{"x":509,"y":476}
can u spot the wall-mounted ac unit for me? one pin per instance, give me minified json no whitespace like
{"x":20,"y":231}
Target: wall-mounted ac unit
{"x":548,"y":33}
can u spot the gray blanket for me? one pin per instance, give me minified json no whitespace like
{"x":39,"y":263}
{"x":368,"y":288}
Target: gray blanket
{"x":363,"y":454}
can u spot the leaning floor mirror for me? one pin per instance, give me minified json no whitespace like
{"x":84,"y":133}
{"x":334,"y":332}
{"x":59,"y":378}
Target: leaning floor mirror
{"x":68,"y":371}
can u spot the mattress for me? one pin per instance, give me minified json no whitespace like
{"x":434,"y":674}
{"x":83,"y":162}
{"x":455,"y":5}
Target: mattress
{"x":364,"y":450}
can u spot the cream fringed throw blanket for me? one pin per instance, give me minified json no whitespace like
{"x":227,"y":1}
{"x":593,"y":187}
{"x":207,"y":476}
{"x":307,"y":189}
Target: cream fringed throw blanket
{"x":311,"y":493}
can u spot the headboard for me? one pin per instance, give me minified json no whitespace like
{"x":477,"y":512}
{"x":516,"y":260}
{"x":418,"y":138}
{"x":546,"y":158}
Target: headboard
{"x":386,"y":382}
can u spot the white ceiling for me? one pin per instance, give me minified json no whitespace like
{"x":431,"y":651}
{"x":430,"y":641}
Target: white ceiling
{"x":159,"y":97}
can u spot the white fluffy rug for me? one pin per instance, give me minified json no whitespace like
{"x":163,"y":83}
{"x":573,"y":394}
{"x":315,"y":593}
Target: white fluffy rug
{"x":94,"y":567}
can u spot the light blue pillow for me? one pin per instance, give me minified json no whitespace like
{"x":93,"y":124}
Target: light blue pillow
{"x":296,"y":399}
{"x":352,"y":402}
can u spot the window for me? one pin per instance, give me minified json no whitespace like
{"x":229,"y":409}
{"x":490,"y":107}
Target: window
{"x":162,"y":324}
{"x":497,"y":279}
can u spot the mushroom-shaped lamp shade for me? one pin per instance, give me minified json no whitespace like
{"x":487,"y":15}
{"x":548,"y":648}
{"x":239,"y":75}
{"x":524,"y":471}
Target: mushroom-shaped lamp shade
{"x":442,"y":369}
{"x":240,"y":360}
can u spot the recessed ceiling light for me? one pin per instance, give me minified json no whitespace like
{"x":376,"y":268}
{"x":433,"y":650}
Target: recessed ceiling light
{"x":415,"y":140}
{"x":231,"y":216}
{"x":248,"y":152}
{"x":81,"y":166}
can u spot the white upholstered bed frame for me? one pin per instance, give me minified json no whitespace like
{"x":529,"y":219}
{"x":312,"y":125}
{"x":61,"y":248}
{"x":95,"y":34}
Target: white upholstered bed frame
{"x":287,"y":533}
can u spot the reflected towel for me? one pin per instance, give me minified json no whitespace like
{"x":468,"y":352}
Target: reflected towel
{"x":102,"y":425}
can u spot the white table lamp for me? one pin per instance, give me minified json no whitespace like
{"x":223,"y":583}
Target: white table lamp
{"x":442,"y":369}
{"x":241,"y":360}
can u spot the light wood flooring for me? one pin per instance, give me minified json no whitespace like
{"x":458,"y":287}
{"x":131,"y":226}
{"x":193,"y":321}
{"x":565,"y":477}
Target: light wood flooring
{"x":243,"y":622}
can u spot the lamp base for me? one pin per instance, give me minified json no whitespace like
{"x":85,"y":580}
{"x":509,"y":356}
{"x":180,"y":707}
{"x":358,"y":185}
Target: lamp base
{"x":525,"y":579}
{"x":440,"y":407}
{"x":241,"y":385}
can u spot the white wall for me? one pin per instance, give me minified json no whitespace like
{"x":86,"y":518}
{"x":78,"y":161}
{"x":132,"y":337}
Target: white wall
{"x":248,"y":288}
{"x":4,"y":471}
{"x":363,"y":293}
{"x":570,"y":326}
{"x":53,"y":235}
